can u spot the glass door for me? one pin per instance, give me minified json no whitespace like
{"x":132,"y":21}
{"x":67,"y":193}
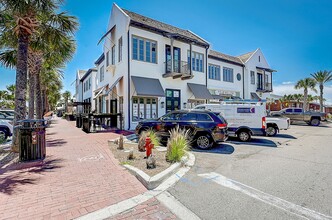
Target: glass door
{"x":176,"y":59}
{"x":173,"y":100}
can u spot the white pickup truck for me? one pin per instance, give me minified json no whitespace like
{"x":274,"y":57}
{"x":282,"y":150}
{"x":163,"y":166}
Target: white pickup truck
{"x":275,"y":124}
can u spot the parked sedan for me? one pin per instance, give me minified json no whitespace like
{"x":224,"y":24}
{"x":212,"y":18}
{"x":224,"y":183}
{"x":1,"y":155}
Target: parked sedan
{"x":206,"y":127}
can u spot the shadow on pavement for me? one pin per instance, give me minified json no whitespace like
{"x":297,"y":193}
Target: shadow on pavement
{"x":259,"y":142}
{"x":284,"y":136}
{"x":55,"y":143}
{"x":218,"y":149}
{"x":20,"y":174}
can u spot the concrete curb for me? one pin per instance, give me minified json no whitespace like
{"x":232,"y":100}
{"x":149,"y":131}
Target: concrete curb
{"x":154,"y":181}
{"x":125,"y":205}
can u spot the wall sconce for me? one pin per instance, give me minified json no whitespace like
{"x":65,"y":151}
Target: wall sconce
{"x":162,"y":104}
{"x":184,"y":105}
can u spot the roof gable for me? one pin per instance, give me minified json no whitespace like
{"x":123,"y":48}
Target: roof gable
{"x":224,"y":57}
{"x":245,"y":57}
{"x":163,"y":28}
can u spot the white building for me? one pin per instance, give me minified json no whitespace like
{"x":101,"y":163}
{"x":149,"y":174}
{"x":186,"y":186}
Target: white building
{"x":149,"y":68}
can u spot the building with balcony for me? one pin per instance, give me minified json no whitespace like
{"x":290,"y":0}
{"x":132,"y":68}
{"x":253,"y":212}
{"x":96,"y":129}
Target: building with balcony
{"x":149,"y":68}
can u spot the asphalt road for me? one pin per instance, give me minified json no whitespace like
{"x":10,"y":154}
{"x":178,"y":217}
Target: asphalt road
{"x":285,"y":177}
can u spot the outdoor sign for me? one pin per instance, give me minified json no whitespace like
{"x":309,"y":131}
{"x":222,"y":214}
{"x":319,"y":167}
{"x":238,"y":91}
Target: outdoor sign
{"x":246,"y":110}
{"x":34,"y":137}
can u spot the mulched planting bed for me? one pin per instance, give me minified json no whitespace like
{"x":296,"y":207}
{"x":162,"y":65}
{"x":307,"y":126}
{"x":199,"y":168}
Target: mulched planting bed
{"x":139,"y":161}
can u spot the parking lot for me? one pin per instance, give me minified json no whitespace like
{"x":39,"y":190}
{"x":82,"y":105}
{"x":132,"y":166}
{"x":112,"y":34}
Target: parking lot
{"x":282,"y":177}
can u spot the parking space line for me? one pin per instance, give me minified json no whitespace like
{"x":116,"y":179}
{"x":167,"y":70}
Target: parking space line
{"x":264,"y":197}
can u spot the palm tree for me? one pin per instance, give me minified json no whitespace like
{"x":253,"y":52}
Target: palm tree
{"x":321,"y":78}
{"x":306,"y":84}
{"x":21,"y":19}
{"x":66,"y":96}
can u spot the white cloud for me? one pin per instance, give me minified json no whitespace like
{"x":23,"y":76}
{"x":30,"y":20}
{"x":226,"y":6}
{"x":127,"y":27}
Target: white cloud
{"x":287,"y":83}
{"x":283,"y":89}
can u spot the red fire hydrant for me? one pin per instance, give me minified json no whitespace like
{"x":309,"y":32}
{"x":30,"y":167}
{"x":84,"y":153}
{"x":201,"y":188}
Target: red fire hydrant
{"x":148,"y":146}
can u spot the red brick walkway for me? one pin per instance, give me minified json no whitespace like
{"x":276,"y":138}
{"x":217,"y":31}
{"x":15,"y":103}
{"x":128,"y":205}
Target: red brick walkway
{"x":79,"y":175}
{"x":151,"y":209}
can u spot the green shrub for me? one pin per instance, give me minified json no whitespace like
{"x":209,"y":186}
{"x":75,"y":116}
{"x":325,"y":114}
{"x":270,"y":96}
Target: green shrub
{"x":178,"y":144}
{"x":155,"y":139}
{"x":2,"y":138}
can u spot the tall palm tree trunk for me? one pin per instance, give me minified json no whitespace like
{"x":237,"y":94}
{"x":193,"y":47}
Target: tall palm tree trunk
{"x":47,"y":104}
{"x":32,"y":86}
{"x":305,"y":98}
{"x":21,"y":85}
{"x":39,"y":107}
{"x":321,"y":88}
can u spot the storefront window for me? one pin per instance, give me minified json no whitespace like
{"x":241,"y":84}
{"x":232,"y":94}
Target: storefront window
{"x":144,"y":108}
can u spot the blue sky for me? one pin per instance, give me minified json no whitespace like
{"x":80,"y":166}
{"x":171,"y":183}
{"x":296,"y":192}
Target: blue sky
{"x":294,"y":35}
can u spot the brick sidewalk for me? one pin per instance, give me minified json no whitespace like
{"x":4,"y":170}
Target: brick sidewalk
{"x":151,"y":209}
{"x":79,"y":175}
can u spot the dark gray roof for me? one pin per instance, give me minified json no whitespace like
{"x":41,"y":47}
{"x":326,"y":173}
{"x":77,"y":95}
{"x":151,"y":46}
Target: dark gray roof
{"x":224,"y":57}
{"x":200,"y":91}
{"x":154,"y":87}
{"x":87,"y":73}
{"x":157,"y":26}
{"x":100,"y":59}
{"x":246,"y":56}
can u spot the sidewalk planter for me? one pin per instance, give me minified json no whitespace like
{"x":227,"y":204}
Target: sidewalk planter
{"x":79,"y":121}
{"x":32,"y":142}
{"x":70,"y":117}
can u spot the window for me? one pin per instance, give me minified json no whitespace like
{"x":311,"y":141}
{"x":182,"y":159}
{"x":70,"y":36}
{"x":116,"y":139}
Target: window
{"x":289,"y":110}
{"x":252,"y":77}
{"x":113,"y":55}
{"x":266,"y":79}
{"x":197,"y":61}
{"x":203,"y":117}
{"x":298,"y":110}
{"x":259,"y":58}
{"x":214,"y":72}
{"x":107,"y":58}
{"x":90,"y":83}
{"x":238,"y":77}
{"x":144,"y":50}
{"x":144,"y":108}
{"x":228,"y":74}
{"x":120,"y":50}
{"x":101,"y":74}
{"x":188,"y":117}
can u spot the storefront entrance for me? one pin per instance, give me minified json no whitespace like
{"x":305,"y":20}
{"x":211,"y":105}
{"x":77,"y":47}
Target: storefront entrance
{"x":173,"y":100}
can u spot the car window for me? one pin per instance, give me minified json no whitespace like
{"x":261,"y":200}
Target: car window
{"x":223,"y":120}
{"x":2,"y":116}
{"x":188,"y":117}
{"x":298,"y":110}
{"x":200,"y":107}
{"x":289,"y":110}
{"x":203,"y":117}
{"x":171,"y":117}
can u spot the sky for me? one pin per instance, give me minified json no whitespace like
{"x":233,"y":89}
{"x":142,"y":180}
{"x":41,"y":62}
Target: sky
{"x":294,"y":35}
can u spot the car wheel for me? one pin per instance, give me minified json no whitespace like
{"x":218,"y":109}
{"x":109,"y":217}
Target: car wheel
{"x":204,"y":141}
{"x":315,"y":122}
{"x":271,"y":131}
{"x":244,"y":136}
{"x":3,"y":133}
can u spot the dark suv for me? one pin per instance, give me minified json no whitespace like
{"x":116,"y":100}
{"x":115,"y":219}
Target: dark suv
{"x":206,"y":127}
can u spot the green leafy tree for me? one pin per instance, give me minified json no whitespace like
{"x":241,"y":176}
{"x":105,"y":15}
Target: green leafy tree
{"x":66,"y":96}
{"x":322,"y":77}
{"x":306,"y":84}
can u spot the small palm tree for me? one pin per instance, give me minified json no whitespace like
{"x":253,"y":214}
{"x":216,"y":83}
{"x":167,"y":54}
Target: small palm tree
{"x":66,"y":96}
{"x":322,"y":77}
{"x":306,"y":84}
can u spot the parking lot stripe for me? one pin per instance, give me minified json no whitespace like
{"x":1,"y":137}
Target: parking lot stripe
{"x":264,"y":197}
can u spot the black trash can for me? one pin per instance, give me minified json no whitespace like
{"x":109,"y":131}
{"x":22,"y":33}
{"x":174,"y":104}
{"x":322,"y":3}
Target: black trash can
{"x":79,"y":120}
{"x":32,"y":141}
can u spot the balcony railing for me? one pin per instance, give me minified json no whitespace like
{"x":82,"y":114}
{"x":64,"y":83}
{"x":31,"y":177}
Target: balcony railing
{"x":180,"y":69}
{"x":264,"y":87}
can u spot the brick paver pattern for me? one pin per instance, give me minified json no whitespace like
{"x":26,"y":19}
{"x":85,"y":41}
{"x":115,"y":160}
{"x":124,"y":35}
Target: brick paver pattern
{"x":79,"y":175}
{"x":151,"y":209}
